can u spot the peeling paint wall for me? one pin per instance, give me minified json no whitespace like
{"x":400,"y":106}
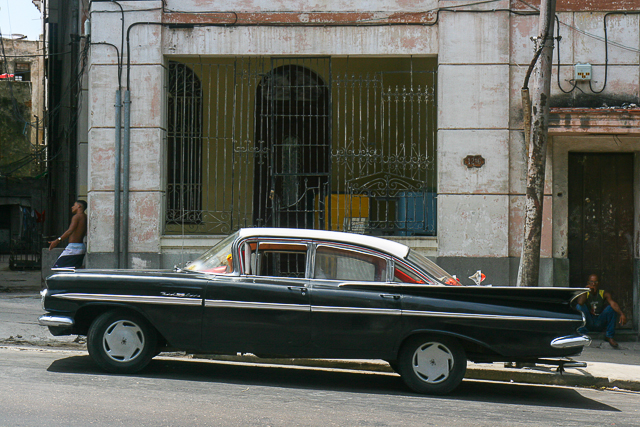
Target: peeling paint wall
{"x":146,"y":81}
{"x":393,"y":40}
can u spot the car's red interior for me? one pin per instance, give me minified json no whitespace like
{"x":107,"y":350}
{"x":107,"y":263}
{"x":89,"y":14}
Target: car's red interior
{"x":405,"y":278}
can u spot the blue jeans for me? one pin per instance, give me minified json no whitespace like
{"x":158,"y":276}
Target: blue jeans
{"x":606,"y":321}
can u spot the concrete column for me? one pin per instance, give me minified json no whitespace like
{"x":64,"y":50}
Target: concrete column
{"x":147,"y":133}
{"x":473,"y":99}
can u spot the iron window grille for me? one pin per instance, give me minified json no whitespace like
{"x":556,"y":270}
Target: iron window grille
{"x":321,"y":143}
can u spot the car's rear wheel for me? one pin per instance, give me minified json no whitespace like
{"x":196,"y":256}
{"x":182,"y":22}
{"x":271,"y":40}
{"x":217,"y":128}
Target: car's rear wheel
{"x":121,"y":342}
{"x":432,"y":365}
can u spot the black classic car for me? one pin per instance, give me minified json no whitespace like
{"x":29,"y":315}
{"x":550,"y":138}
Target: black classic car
{"x":277,"y":292}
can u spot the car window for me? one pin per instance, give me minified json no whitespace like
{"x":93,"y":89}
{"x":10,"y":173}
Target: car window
{"x":218,"y":259}
{"x":343,"y":264}
{"x":432,"y":268}
{"x":276,"y":259}
{"x":403,"y":274}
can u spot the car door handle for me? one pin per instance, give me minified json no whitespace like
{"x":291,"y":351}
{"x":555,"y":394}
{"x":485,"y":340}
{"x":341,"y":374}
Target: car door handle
{"x":302,"y":289}
{"x":390,"y":296}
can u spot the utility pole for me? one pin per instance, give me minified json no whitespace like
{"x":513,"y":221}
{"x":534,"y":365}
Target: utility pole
{"x":529,"y":271}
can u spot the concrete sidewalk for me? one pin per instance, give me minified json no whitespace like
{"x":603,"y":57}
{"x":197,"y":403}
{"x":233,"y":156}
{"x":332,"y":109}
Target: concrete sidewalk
{"x":606,"y":367}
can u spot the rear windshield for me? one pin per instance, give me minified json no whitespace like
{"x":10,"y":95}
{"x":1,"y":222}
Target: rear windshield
{"x":432,"y":268}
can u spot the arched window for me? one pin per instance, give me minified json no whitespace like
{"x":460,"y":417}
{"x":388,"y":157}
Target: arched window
{"x":291,"y":172}
{"x":184,"y":135}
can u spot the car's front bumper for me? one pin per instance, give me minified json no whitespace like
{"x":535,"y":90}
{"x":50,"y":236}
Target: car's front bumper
{"x":58,"y":325}
{"x":56,"y":321}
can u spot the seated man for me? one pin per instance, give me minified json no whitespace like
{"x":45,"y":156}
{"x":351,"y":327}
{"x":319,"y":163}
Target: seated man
{"x":600,"y":310}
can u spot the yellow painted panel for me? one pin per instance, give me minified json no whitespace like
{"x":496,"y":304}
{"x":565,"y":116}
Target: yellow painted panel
{"x":350,"y":211}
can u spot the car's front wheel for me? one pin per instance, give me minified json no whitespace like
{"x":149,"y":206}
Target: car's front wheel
{"x":432,"y":365}
{"x":121,"y":342}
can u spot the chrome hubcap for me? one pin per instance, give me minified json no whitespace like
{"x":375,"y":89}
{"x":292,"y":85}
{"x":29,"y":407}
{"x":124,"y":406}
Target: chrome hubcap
{"x":123,"y":341}
{"x":432,"y":362}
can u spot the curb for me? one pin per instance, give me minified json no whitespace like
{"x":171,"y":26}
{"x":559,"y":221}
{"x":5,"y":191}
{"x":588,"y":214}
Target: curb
{"x":354,"y":365}
{"x":568,"y":379}
{"x":474,"y":371}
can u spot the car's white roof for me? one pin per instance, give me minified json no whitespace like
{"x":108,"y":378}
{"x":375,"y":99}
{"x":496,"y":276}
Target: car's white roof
{"x":377,"y":243}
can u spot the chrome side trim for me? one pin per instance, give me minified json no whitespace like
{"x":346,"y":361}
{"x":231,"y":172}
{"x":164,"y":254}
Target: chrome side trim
{"x":298,"y":307}
{"x":140,"y":299}
{"x":571,"y":341}
{"x":356,"y":310}
{"x":63,"y":270}
{"x":222,"y":303}
{"x":389,"y":285}
{"x":481,"y":316}
{"x":365,"y":310}
{"x":257,"y":305}
{"x":48,"y":320}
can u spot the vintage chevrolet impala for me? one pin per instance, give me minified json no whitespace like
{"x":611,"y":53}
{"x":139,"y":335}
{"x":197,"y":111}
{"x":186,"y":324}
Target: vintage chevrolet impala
{"x":304,"y":293}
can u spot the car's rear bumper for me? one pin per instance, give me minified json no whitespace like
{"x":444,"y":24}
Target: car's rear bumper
{"x":571,"y":341}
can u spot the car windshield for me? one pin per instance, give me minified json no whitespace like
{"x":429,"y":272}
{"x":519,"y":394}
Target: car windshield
{"x":432,"y":268}
{"x":218,"y":259}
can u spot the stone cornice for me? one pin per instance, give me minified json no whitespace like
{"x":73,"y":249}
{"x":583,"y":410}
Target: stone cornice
{"x":584,"y":5}
{"x":299,"y":18}
{"x":594,"y":120}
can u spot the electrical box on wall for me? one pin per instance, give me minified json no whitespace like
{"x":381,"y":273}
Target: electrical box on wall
{"x":582,"y":72}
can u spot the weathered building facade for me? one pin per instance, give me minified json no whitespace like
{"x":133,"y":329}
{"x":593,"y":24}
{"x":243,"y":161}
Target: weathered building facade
{"x":396,"y":118}
{"x":22,"y":150}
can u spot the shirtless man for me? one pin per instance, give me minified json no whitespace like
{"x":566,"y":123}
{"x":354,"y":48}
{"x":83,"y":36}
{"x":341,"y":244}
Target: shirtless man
{"x":73,"y":255}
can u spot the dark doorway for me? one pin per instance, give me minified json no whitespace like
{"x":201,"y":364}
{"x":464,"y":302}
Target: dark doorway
{"x":292,"y":148}
{"x":601,"y":223}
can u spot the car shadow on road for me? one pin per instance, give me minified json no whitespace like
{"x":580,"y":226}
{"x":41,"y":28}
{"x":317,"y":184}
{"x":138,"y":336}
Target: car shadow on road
{"x":339,"y":380}
{"x":528,"y":394}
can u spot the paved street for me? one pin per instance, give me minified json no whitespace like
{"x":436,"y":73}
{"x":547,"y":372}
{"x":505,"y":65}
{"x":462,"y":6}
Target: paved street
{"x":64,"y":388}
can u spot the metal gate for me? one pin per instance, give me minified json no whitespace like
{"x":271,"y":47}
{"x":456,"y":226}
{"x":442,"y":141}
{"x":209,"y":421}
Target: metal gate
{"x":324,"y":143}
{"x":26,"y":245}
{"x":293,"y":133}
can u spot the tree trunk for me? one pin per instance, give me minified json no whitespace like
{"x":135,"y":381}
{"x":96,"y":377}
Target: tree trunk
{"x":529,"y":271}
